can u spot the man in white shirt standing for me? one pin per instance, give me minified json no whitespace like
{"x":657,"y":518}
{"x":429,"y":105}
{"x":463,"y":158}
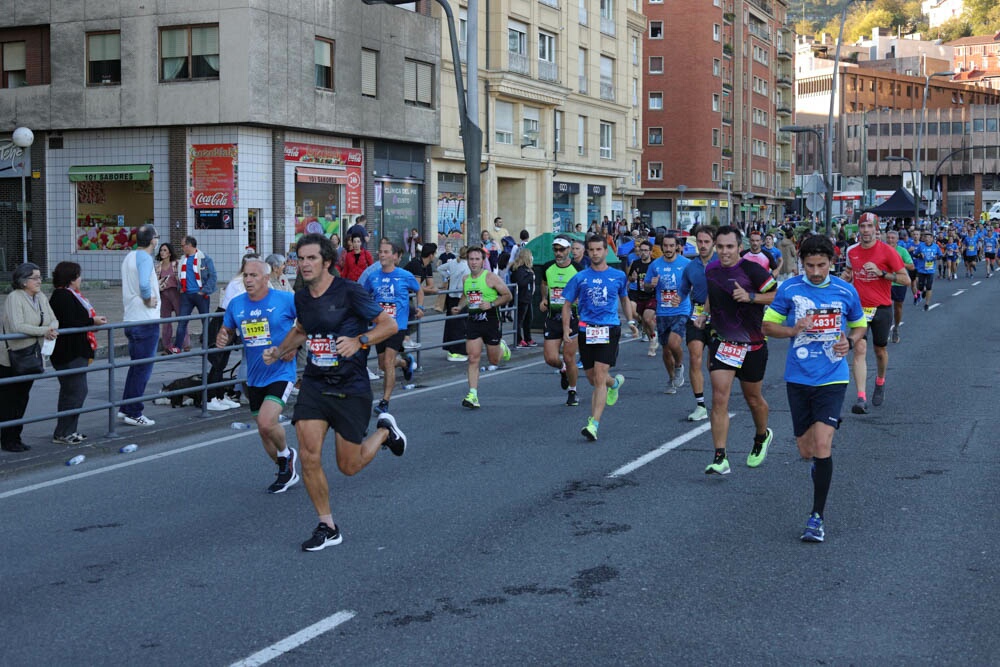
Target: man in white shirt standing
{"x":141,"y":300}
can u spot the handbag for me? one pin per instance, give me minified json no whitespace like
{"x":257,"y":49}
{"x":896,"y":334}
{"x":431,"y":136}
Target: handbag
{"x":26,"y":361}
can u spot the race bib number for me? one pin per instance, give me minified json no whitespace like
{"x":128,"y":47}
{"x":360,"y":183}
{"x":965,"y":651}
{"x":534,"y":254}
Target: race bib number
{"x":475,"y":301}
{"x":389,"y":309}
{"x":826,"y":324}
{"x":929,"y":265}
{"x":870,"y":313}
{"x":667,"y":297}
{"x":732,"y":354}
{"x":256,"y":333}
{"x":557,"y":298}
{"x":697,"y":311}
{"x":323,"y":352}
{"x":598,"y":335}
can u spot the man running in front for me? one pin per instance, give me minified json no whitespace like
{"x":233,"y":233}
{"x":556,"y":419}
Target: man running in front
{"x":873,"y":267}
{"x":598,"y":291}
{"x":738,"y":290}
{"x":334,"y":315}
{"x":822,"y":315}
{"x":261,"y":316}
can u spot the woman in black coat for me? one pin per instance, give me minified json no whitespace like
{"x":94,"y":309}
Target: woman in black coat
{"x":522,"y":275}
{"x":72,"y":350}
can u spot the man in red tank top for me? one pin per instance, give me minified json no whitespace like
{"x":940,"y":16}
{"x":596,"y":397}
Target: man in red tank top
{"x":873,"y":266}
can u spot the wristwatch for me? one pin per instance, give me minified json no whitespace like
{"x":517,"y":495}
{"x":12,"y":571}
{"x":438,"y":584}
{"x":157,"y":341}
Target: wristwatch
{"x":363,"y":339}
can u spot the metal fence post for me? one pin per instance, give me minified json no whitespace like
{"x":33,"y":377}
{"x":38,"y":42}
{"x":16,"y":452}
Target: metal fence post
{"x":112,"y":411}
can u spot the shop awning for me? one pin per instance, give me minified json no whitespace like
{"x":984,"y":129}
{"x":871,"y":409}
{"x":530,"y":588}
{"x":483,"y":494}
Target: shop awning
{"x":313,"y":175}
{"x":111,"y":172}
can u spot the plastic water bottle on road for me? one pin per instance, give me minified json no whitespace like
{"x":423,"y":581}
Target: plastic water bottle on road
{"x":128,"y":449}
{"x":240,"y":426}
{"x":76,"y":460}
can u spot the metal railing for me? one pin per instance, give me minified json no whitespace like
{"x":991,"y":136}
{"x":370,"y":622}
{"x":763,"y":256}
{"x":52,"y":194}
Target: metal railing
{"x":205,"y":352}
{"x":518,"y":62}
{"x":548,"y":71}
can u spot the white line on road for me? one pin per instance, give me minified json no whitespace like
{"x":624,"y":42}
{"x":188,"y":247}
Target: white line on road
{"x":294,"y":641}
{"x":933,"y":306}
{"x":976,"y":283}
{"x":958,"y":292}
{"x":663,"y":449}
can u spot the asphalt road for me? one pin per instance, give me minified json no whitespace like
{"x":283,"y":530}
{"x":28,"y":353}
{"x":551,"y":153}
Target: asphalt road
{"x":501,"y":537}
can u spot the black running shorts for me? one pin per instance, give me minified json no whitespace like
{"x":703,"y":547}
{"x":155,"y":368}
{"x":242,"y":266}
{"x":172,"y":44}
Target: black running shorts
{"x":605,"y":353}
{"x":346,"y":415}
{"x":811,"y":405}
{"x":754,"y":364}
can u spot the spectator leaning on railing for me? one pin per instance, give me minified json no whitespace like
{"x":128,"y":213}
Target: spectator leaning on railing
{"x":25,"y":311}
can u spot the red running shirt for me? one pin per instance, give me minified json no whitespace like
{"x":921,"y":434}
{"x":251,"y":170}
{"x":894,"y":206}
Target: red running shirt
{"x":873,"y":289}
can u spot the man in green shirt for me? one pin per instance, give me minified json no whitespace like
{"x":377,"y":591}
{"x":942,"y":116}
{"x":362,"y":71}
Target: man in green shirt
{"x":555,"y":275}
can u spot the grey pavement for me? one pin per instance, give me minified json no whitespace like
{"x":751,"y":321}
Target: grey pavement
{"x":503,"y":537}
{"x":106,"y":299}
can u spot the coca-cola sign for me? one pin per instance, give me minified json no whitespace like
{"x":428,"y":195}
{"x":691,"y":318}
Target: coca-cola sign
{"x":324,"y":155}
{"x":214,"y":176}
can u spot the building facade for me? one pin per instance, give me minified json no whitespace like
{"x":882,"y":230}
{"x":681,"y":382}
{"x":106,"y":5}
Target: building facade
{"x":244,"y":126}
{"x":718,"y":78}
{"x":977,"y":59}
{"x":558,"y":90}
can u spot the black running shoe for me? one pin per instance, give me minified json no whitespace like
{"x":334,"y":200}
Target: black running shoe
{"x":563,"y":379}
{"x":396,"y":442}
{"x":323,"y":537}
{"x":571,"y":398}
{"x":381,"y":408}
{"x":408,"y":368}
{"x":286,"y":477}
{"x":878,"y":396}
{"x":860,"y":407}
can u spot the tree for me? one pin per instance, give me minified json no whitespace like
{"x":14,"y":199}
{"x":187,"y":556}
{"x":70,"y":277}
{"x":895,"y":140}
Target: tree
{"x":953,"y":29}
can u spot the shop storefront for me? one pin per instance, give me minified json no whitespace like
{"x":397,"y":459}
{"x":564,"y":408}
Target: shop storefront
{"x":656,"y":212}
{"x":111,"y":203}
{"x":595,"y":200}
{"x":328,"y":187}
{"x":399,"y":191}
{"x":564,"y":196}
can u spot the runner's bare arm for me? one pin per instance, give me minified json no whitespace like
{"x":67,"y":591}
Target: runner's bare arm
{"x":287,"y":347}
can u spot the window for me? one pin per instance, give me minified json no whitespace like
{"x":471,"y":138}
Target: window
{"x":581,"y":135}
{"x":991,"y":124}
{"x":418,"y":83}
{"x":716,"y":105}
{"x":760,"y":55}
{"x":582,"y":61}
{"x":607,"y":139}
{"x":715,"y":171}
{"x":656,"y":101}
{"x":517,"y":47}
{"x":104,"y":58}
{"x":505,"y":123}
{"x":323,"y":50}
{"x":979,"y":125}
{"x":635,"y":50}
{"x":529,"y":127}
{"x":715,"y":137}
{"x":635,"y":171}
{"x":760,"y":86}
{"x":608,"y":17}
{"x":635,"y":132}
{"x":369,"y":73}
{"x":656,"y":64}
{"x":716,"y":32}
{"x":656,"y":29}
{"x":655,"y":137}
{"x":716,"y":67}
{"x":760,"y":117}
{"x":635,"y":92}
{"x":583,"y":12}
{"x":557,"y":134}
{"x":189,"y":53}
{"x":463,"y":25}
{"x":654,"y":171}
{"x":607,"y":79}
{"x":547,"y":68}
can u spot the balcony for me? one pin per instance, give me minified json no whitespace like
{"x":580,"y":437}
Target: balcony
{"x":608,"y":26}
{"x":784,"y":53}
{"x":548,"y":71}
{"x":783,"y":81}
{"x":727,"y":118}
{"x":760,"y":30}
{"x":607,"y":89}
{"x":783,"y":109}
{"x":727,"y":86}
{"x":518,"y":62}
{"x":764,"y":5}
{"x":728,"y":17}
{"x":783,"y":165}
{"x":727,"y":49}
{"x":727,"y":152}
{"x":784,"y":137}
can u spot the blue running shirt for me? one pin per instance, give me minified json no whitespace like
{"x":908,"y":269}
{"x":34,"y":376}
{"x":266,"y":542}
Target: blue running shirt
{"x":597,"y":294}
{"x":392,"y":293}
{"x":263,"y":324}
{"x":668,"y":285}
{"x":836,"y":306}
{"x":925,"y":258}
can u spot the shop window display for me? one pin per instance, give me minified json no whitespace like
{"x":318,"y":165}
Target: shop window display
{"x":108,"y":213}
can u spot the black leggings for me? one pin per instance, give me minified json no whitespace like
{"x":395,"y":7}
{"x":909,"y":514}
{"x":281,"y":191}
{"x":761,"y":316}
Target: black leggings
{"x":523,"y":324}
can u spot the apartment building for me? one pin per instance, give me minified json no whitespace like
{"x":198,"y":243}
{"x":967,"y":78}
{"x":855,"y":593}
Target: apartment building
{"x":243,"y":123}
{"x":718,"y":82}
{"x":977,"y":59}
{"x":558,"y":91}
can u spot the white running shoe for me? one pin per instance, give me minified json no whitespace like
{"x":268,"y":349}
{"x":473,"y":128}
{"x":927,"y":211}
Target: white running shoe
{"x":225,"y":400}
{"x":216,"y":405}
{"x":141,"y":420}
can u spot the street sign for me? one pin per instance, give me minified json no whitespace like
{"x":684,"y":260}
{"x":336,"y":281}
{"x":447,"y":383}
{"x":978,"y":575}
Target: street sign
{"x":814,"y":202}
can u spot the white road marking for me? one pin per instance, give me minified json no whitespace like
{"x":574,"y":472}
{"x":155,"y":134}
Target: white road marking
{"x":976,"y":283}
{"x":958,"y":292}
{"x":933,"y":306}
{"x":294,"y":641}
{"x":663,"y":449}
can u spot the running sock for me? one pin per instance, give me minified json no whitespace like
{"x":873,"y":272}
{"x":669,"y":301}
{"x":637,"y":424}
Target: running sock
{"x":863,"y":396}
{"x":879,"y":381}
{"x":700,"y":399}
{"x":760,"y":438}
{"x":573,"y":388}
{"x":474,"y":392}
{"x":616,"y":384}
{"x":822,"y":472}
{"x":285,"y":453}
{"x":720,"y":454}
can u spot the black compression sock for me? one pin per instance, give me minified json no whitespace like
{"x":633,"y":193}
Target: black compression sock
{"x":822,"y":473}
{"x":720,"y":454}
{"x":700,"y":399}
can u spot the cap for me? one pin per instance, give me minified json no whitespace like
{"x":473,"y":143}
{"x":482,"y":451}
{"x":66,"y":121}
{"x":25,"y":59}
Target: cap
{"x":868,"y":217}
{"x":561,"y":242}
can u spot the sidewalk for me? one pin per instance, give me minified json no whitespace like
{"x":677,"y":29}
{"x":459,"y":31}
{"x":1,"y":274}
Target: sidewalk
{"x":434,"y":369}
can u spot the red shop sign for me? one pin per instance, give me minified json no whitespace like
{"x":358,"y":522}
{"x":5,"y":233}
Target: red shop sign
{"x":342,"y":167}
{"x":213,"y":178}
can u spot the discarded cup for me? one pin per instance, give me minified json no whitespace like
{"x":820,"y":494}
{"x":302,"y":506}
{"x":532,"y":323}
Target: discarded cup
{"x":128,"y":449}
{"x":76,"y":460}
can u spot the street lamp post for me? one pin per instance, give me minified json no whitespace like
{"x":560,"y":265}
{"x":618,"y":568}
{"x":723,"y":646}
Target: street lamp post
{"x":920,"y":132}
{"x":916,"y":195}
{"x":23,"y":138}
{"x":824,"y":165}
